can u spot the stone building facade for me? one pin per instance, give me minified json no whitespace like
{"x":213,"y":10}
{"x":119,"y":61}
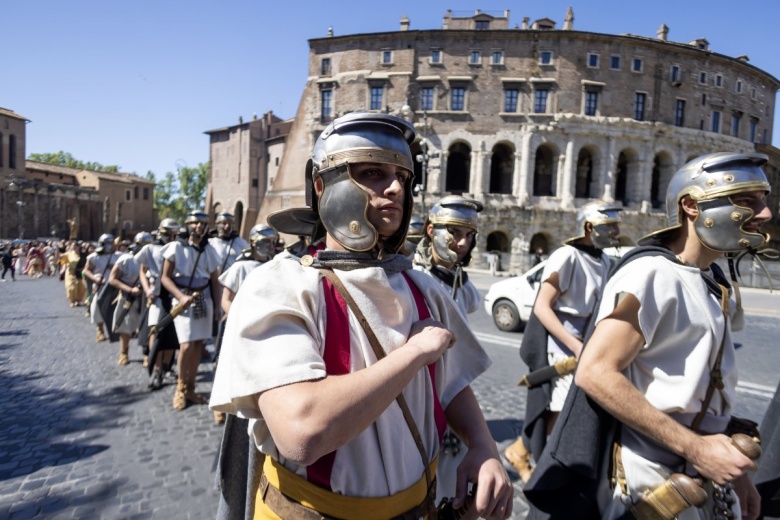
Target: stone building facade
{"x":38,"y":199}
{"x":244,"y":161}
{"x":535,"y":121}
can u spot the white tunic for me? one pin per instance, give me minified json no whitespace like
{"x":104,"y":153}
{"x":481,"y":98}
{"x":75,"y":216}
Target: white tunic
{"x":228,"y":250}
{"x":192,"y":324}
{"x":100,"y":265}
{"x":130,"y":273}
{"x":683,"y":327}
{"x":151,"y":257}
{"x":237,"y":273}
{"x":275,"y":337}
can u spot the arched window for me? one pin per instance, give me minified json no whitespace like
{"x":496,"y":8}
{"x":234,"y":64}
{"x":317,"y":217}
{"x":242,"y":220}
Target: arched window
{"x":584,"y":175}
{"x":458,"y":168}
{"x":239,"y":216}
{"x":1,"y":149}
{"x":663,"y":169}
{"x":498,"y":241}
{"x":620,"y":178}
{"x":501,"y":169}
{"x":12,"y":151}
{"x":544,"y":172}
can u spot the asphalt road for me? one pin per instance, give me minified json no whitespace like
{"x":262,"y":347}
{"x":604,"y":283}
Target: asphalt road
{"x":81,"y":437}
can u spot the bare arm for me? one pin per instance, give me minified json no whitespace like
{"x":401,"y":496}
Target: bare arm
{"x":615,"y":343}
{"x":89,"y":274}
{"x":481,"y":464}
{"x":115,"y":280}
{"x":310,"y":419}
{"x":166,"y":279}
{"x":227,"y":300}
{"x":543,"y":308}
{"x":147,"y":287}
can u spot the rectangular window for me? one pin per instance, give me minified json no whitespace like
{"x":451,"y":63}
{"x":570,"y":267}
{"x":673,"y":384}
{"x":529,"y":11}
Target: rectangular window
{"x":735,"y":121}
{"x":545,"y":58}
{"x":510,"y":99}
{"x":738,"y":86}
{"x":614,"y":62}
{"x":128,"y":195}
{"x":715,"y":121}
{"x":474,"y":58}
{"x":497,"y":58}
{"x":679,"y":112}
{"x":136,"y":192}
{"x":482,"y":25}
{"x":591,"y":103}
{"x":387,"y":57}
{"x":718,"y":80}
{"x":753,"y":93}
{"x":703,"y":78}
{"x":426,"y":98}
{"x":640,"y":99}
{"x":436,"y":56}
{"x":753,"y":128}
{"x":674,"y":74}
{"x":593,"y":60}
{"x":325,"y":67}
{"x":637,"y":65}
{"x":326,"y":110}
{"x":376,"y":98}
{"x":540,"y":101}
{"x":146,"y":193}
{"x":458,"y":98}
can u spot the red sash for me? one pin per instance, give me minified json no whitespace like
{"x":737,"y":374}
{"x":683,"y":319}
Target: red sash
{"x":337,"y":362}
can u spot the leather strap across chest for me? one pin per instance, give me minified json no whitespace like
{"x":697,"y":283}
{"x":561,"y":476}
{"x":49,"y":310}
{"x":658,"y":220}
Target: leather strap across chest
{"x":337,"y":362}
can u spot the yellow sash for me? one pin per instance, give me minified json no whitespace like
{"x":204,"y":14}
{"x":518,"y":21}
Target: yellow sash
{"x":334,"y":505}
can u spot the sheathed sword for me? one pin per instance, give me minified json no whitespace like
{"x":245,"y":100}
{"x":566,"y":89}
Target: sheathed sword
{"x":542,"y":375}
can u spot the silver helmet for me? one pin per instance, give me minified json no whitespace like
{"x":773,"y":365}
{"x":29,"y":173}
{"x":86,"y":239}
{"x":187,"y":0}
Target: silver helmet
{"x":141,"y":239}
{"x":194,"y":217}
{"x":263,"y":239}
{"x":224,"y":223}
{"x":105,"y":243}
{"x":711,"y":180}
{"x":602,"y":216}
{"x":358,"y":137}
{"x":168,"y":228}
{"x":452,"y":210}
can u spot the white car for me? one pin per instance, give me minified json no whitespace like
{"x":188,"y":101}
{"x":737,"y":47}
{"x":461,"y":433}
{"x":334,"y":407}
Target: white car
{"x":510,"y":301}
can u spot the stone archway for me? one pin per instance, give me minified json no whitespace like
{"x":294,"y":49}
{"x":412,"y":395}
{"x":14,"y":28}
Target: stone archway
{"x":584,"y":175}
{"x":545,"y":168}
{"x":663,"y":169}
{"x":458,"y":169}
{"x":501,"y":169}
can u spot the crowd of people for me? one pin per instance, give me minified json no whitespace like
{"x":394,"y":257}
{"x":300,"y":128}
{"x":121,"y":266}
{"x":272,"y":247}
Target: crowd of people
{"x":29,"y":258}
{"x":343,"y":363}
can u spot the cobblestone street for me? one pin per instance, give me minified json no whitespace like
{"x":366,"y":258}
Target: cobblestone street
{"x":81,"y":437}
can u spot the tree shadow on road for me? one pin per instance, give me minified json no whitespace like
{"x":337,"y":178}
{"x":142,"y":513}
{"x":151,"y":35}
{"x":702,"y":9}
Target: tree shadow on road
{"x":45,"y":424}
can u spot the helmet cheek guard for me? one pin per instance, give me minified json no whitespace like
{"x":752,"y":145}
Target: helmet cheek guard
{"x":343,"y":207}
{"x":440,"y":247}
{"x":719,"y":226}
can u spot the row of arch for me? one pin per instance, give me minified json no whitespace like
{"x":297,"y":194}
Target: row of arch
{"x":591,"y":172}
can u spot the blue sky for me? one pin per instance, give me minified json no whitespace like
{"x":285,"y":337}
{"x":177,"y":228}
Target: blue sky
{"x":136,"y":83}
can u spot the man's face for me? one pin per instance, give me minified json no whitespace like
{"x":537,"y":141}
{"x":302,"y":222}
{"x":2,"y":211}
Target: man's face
{"x":385,"y":186}
{"x":224,"y":227}
{"x":463,"y":239}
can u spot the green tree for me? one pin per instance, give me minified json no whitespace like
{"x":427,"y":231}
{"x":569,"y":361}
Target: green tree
{"x":179,"y":193}
{"x":66,"y":159}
